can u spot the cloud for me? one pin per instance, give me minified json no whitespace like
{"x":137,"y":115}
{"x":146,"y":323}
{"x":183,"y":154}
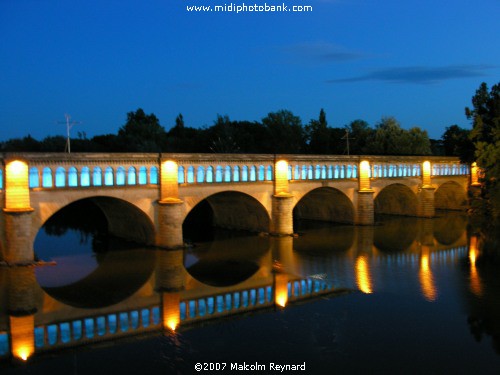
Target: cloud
{"x":419,"y":74}
{"x":322,"y":52}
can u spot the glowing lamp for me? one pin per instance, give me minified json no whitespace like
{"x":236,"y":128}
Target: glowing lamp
{"x":364,"y":175}
{"x":281,"y":177}
{"x":169,"y":178}
{"x":22,"y":331}
{"x":17,"y":196}
{"x":363,"y":276}
{"x":171,"y":311}
{"x":474,"y":174}
{"x":426,"y":173}
{"x":281,"y":292}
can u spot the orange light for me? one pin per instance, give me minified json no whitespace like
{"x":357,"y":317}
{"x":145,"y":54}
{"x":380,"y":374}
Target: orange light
{"x":474,"y":174}
{"x":17,"y":195}
{"x":363,"y":276}
{"x":426,"y":279}
{"x":426,"y":173}
{"x":281,"y":293}
{"x":475,"y":280}
{"x":281,"y":177}
{"x":171,"y":311}
{"x":22,"y":331}
{"x":169,"y":180}
{"x":364,"y":175}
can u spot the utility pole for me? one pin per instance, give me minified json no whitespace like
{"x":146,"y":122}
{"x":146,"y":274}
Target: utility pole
{"x":69,"y":125}
{"x":346,"y":137}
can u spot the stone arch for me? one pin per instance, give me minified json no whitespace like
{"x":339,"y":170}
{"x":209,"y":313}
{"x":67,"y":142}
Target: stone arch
{"x":125,"y":220}
{"x":325,"y":204}
{"x":450,"y":196}
{"x":396,"y":199}
{"x":231,"y":210}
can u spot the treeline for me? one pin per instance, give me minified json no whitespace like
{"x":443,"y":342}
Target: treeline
{"x":279,"y":132}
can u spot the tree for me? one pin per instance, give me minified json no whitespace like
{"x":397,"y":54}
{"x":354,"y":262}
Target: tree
{"x":318,"y":135}
{"x":360,"y":134}
{"x":457,"y":142}
{"x":285,"y":134}
{"x":223,"y":138}
{"x":390,"y":139}
{"x":142,"y":133}
{"x":419,"y":141}
{"x":485,"y":136}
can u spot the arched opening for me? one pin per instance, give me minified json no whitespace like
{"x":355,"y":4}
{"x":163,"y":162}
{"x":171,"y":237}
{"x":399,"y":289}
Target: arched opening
{"x":396,"y":199}
{"x":450,"y":196}
{"x":324,"y":204}
{"x":226,"y":252}
{"x":96,"y":264}
{"x":227,"y":210}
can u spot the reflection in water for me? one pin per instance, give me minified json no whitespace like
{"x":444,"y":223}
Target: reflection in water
{"x":363,"y":276}
{"x":181,"y":302}
{"x":426,"y":279}
{"x":281,"y":285}
{"x":171,"y":310}
{"x":227,"y":261}
{"x":22,"y":335}
{"x":475,"y":280}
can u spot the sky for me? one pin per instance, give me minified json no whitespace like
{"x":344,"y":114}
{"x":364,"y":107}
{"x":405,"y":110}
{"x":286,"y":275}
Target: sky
{"x":418,"y":61}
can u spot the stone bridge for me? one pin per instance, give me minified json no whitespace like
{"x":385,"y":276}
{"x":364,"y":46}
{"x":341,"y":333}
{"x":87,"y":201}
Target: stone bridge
{"x":147,"y":197}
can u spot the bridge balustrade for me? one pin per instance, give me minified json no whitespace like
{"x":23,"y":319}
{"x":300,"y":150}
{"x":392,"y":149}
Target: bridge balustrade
{"x":200,"y":173}
{"x":143,"y":169}
{"x":92,"y":176}
{"x":395,"y":170}
{"x":450,"y":169}
{"x":322,"y":171}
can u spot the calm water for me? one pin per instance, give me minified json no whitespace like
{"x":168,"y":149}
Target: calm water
{"x":408,"y":296}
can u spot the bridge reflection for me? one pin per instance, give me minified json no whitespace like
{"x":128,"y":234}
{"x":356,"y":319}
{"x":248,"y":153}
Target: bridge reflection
{"x":321,"y":262}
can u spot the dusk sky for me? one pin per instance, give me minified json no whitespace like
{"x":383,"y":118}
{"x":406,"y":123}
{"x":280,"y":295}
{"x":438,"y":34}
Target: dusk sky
{"x":419,"y":61}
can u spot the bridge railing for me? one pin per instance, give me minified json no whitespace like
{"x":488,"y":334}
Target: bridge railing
{"x":450,"y":169}
{"x":48,"y":171}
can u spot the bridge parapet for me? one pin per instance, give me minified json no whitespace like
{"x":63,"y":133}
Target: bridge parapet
{"x":57,"y":170}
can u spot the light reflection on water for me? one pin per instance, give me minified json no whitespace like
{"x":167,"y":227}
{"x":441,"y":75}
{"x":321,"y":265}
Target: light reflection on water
{"x":415,"y":289}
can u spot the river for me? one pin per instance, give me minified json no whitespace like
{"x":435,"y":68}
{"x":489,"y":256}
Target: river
{"x":406,"y":296}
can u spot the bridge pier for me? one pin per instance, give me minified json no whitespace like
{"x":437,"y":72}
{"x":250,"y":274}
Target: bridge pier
{"x":169,"y":223}
{"x":365,"y":205}
{"x":364,"y":208}
{"x":425,"y":202}
{"x":17,"y":215}
{"x":425,"y":195}
{"x":169,"y":228}
{"x":282,"y":202}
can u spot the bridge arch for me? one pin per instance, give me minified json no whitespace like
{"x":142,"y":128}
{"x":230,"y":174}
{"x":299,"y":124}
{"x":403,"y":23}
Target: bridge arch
{"x":229,"y":209}
{"x":325,"y":204}
{"x":124,"y":219}
{"x":396,"y":199}
{"x":450,"y":196}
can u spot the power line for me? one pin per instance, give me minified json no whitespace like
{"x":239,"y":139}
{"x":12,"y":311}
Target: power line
{"x":346,"y":137}
{"x":69,"y":124}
